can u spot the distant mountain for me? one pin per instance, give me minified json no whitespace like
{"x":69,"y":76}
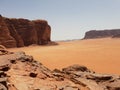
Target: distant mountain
{"x":102,"y":33}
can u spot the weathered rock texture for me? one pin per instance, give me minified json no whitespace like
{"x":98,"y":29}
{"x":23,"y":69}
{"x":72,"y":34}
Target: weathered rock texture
{"x":19,"y":71}
{"x":5,"y":38}
{"x":23,"y":32}
{"x":102,"y":33}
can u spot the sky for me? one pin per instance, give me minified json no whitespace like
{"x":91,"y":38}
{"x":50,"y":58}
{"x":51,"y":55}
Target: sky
{"x":69,"y":19}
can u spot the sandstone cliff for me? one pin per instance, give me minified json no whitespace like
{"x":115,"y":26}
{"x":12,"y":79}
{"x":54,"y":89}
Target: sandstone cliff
{"x":23,"y":32}
{"x":5,"y":38}
{"x":101,"y":33}
{"x":19,"y":71}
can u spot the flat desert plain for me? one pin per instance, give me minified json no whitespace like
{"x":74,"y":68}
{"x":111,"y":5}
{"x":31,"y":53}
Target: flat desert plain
{"x":100,"y":55}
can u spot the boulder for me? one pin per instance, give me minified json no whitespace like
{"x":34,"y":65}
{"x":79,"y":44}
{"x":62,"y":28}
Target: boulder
{"x":76,"y":68}
{"x":3,"y":50}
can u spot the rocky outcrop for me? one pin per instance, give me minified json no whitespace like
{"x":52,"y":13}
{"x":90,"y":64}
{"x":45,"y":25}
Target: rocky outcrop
{"x":44,"y":31}
{"x":94,"y":81}
{"x":101,"y":33}
{"x":5,"y":38}
{"x":116,"y":36}
{"x":3,"y":50}
{"x":19,"y":71}
{"x":23,"y":32}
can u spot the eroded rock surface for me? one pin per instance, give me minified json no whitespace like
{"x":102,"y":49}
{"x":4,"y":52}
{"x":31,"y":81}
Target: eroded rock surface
{"x":5,"y":38}
{"x":23,"y":32}
{"x":19,"y":71}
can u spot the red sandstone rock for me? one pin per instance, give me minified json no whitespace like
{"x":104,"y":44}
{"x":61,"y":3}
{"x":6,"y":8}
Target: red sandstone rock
{"x":23,"y":32}
{"x":5,"y":38}
{"x":43,"y":31}
{"x":26,"y":30}
{"x":14,"y":33}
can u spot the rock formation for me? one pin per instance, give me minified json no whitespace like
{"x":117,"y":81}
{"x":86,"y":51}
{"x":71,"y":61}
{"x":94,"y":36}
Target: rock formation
{"x":116,"y":36}
{"x":23,"y":32}
{"x":5,"y":38}
{"x":101,"y":33}
{"x":19,"y":71}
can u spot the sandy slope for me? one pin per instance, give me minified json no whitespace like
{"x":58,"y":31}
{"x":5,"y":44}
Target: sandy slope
{"x":101,"y":55}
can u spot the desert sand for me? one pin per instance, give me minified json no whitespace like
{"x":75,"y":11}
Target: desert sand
{"x":100,"y":55}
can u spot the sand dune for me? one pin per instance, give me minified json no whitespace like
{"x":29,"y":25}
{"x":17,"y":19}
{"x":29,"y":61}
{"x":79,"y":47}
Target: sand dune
{"x":101,"y":55}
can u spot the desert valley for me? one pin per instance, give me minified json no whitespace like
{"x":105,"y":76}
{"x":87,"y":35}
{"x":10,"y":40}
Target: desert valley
{"x":100,"y":55}
{"x":30,"y":60}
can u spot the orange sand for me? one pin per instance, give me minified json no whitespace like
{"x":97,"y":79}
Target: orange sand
{"x":100,"y":55}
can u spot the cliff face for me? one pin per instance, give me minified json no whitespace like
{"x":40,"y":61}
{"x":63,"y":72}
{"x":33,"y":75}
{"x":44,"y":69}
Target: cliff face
{"x":5,"y":38}
{"x":101,"y":33}
{"x":25,"y":32}
{"x":44,"y":31}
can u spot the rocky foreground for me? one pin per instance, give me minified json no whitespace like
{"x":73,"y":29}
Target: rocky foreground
{"x":19,"y":71}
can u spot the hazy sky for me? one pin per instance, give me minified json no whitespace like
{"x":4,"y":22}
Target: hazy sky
{"x":69,"y":19}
